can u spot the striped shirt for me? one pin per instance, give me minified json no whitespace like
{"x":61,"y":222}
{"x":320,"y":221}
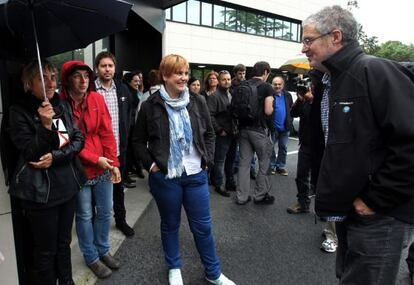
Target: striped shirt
{"x":326,"y":80}
{"x":111,"y":100}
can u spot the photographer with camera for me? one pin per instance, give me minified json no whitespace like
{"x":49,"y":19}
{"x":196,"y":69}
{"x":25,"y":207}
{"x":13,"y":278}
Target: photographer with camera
{"x":282,"y":124}
{"x":301,"y":109}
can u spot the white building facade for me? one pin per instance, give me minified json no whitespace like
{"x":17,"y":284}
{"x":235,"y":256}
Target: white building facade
{"x":244,"y":31}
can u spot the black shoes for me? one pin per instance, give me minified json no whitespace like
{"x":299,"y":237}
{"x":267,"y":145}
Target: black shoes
{"x":231,"y":187}
{"x":298,"y":209}
{"x":238,"y":202}
{"x":267,"y":200}
{"x":129,"y":182}
{"x":125,"y":229}
{"x":110,"y":262}
{"x":252,"y":174}
{"x":222,"y":191}
{"x":100,"y":270}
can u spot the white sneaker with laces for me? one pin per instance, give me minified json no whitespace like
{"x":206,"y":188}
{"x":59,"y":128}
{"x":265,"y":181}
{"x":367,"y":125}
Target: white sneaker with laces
{"x":174,"y":277}
{"x":222,"y":280}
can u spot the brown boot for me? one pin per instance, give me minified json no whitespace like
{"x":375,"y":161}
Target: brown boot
{"x":298,"y":209}
{"x":100,"y":270}
{"x":110,"y":261}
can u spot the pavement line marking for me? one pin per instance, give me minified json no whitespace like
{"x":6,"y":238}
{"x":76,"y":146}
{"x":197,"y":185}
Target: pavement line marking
{"x":292,"y":152}
{"x":292,"y":138}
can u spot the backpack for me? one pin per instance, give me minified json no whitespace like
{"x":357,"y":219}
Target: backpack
{"x":245,"y":101}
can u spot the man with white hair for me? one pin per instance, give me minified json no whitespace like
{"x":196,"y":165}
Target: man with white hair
{"x":366,"y":177}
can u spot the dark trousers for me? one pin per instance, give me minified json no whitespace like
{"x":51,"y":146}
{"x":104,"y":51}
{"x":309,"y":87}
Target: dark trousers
{"x":370,"y":248}
{"x":51,"y":230}
{"x":303,"y":176}
{"x":118,"y":194}
{"x":410,"y":258}
{"x":223,"y":160}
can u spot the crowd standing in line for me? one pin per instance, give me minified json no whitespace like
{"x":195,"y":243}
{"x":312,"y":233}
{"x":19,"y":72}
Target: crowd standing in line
{"x":356,"y":153}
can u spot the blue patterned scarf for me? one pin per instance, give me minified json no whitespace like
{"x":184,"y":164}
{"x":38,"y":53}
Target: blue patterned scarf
{"x":181,"y":135}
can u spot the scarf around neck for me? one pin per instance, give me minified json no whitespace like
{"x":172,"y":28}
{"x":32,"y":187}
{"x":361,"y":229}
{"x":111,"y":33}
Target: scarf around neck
{"x":181,"y":136}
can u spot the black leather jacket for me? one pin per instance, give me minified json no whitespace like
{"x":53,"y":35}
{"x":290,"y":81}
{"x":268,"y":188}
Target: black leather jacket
{"x":32,"y":141}
{"x":151,"y":137}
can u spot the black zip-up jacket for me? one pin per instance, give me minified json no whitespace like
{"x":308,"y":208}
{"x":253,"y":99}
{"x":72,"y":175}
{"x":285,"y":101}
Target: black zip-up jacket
{"x":151,"y":137}
{"x":221,"y":117}
{"x":65,"y":176}
{"x":370,"y":147}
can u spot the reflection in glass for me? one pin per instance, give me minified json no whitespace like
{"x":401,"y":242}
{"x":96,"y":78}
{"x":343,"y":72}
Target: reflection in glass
{"x":278,"y":28}
{"x":206,"y":14}
{"x":241,"y":21}
{"x":260,"y":25}
{"x":295,"y":32}
{"x":251,"y":23}
{"x":179,"y":12}
{"x":270,"y":27}
{"x":287,"y":34}
{"x":218,"y":19}
{"x":231,"y":19}
{"x":193,"y":10}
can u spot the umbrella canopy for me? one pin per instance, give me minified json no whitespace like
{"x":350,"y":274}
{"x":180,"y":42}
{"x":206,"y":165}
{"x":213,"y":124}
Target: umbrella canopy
{"x":60,"y":25}
{"x":296,"y":65}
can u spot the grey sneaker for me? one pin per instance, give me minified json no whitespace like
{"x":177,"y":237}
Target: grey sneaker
{"x":100,"y":270}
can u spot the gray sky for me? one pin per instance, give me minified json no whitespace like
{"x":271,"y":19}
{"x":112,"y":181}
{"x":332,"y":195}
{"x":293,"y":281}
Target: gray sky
{"x":387,"y":20}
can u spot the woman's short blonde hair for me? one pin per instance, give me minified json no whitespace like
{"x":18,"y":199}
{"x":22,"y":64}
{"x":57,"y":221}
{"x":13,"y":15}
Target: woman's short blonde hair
{"x":31,"y":70}
{"x":171,"y":64}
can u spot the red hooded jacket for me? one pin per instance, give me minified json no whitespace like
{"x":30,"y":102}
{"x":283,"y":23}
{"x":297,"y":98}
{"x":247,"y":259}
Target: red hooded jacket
{"x":93,"y":119}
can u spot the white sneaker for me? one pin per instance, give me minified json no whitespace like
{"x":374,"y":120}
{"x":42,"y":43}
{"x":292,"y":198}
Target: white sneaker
{"x":174,"y":277}
{"x":222,"y":280}
{"x":329,"y":245}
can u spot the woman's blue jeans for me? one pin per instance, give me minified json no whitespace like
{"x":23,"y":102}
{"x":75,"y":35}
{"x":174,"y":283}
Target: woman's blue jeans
{"x":93,"y":236}
{"x":192,"y":193}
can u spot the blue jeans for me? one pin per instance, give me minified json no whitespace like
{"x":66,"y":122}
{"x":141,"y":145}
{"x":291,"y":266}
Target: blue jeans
{"x":223,"y":160}
{"x":192,"y":193}
{"x":370,"y":249}
{"x":280,"y":139}
{"x":94,"y":235}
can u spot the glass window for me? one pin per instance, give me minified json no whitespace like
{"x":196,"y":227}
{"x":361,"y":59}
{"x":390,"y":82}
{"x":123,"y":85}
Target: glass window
{"x":193,"y":10}
{"x":270,"y":27}
{"x":241,"y":21}
{"x":260,"y":25}
{"x":295,"y":32}
{"x":168,"y":14}
{"x":231,"y":19}
{"x":219,"y":12}
{"x":251,"y":23}
{"x":179,"y":12}
{"x":206,"y":14}
{"x":278,"y":28}
{"x":102,"y":45}
{"x":287,"y":34}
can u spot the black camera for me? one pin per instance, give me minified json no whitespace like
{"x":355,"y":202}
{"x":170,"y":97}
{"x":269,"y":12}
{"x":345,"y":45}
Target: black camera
{"x":302,"y":85}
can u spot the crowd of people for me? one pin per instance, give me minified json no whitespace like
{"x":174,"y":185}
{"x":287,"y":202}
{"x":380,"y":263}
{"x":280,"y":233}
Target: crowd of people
{"x":76,"y":150}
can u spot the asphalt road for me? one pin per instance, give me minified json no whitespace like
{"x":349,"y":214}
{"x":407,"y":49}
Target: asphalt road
{"x":261,"y":245}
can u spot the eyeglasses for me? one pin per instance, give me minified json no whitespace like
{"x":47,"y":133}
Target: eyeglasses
{"x":307,"y":42}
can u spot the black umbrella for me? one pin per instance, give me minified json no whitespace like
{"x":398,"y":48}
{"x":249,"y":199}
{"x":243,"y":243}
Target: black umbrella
{"x":31,"y":28}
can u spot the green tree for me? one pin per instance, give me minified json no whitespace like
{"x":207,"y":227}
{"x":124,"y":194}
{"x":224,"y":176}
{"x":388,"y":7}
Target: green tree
{"x":368,"y":44}
{"x":396,"y":50}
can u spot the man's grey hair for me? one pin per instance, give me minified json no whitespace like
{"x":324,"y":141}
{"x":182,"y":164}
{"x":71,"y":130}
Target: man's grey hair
{"x":334,"y":17}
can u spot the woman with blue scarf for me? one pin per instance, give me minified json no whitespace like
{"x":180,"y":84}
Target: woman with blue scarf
{"x":174,"y":139}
